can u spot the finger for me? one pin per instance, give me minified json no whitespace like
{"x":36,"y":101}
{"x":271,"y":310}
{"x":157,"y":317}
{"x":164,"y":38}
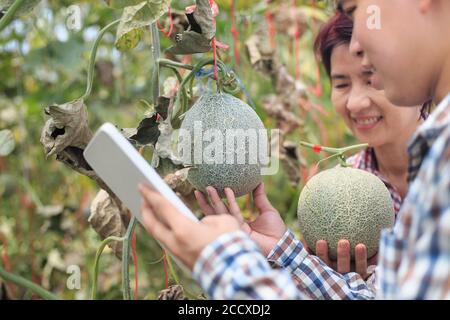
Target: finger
{"x":361,"y":260}
{"x":163,"y":210}
{"x":343,"y":256}
{"x":217,"y":203}
{"x":322,"y":251}
{"x":203,"y":203}
{"x":232,"y":204}
{"x":157,"y":229}
{"x":260,"y":199}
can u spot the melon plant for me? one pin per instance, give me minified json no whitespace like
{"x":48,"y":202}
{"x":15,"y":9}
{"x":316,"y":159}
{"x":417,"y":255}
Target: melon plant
{"x":345,"y":203}
{"x":222,"y":112}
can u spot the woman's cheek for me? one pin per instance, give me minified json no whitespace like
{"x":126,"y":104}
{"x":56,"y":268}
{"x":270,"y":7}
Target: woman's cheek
{"x":339,"y":103}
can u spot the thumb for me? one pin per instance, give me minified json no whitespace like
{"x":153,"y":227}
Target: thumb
{"x":260,"y":199}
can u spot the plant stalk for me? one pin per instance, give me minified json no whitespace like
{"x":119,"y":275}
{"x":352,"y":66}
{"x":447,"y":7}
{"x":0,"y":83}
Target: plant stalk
{"x":43,"y":293}
{"x":9,"y":15}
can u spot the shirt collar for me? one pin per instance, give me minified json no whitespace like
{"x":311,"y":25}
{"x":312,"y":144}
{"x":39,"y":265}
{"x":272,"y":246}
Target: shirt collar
{"x":426,"y":135}
{"x":433,"y":126}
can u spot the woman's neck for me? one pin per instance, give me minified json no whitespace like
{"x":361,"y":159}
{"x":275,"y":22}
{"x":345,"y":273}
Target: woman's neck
{"x":392,"y":163}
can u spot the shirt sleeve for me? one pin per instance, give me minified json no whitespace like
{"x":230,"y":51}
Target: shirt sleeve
{"x":313,"y":278}
{"x":415,"y":256}
{"x":233,"y":267}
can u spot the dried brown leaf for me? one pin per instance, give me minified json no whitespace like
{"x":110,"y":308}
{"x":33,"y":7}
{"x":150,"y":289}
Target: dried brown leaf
{"x":67,"y":126}
{"x":197,"y":38}
{"x":106,"y":219}
{"x":174,"y":292}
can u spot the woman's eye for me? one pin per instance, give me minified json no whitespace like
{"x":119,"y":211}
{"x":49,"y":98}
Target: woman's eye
{"x":341,"y":86}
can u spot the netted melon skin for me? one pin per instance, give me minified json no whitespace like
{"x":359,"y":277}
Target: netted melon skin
{"x":345,"y":203}
{"x":223,"y":111}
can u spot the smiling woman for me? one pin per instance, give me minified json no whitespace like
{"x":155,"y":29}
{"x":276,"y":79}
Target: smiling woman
{"x":366,"y":111}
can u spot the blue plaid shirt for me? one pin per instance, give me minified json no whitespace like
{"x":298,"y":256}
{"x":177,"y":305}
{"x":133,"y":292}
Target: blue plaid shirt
{"x":414,"y":257}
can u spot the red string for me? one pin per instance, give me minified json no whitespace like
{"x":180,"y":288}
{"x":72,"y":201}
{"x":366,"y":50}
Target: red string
{"x":316,"y":148}
{"x":270,"y":28}
{"x":318,"y":88}
{"x":211,"y":3}
{"x":296,"y":43}
{"x":168,"y":33}
{"x":234,"y":33}
{"x":166,"y":273}
{"x":136,"y":268}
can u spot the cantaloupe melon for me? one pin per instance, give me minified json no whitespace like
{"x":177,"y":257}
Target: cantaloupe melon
{"x":222,"y":112}
{"x":345,"y":203}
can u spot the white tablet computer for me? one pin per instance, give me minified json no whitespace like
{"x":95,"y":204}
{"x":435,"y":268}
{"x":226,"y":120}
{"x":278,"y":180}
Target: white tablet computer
{"x":122,"y":168}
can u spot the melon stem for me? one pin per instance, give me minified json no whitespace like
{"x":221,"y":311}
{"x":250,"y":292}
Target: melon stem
{"x":336,"y":152}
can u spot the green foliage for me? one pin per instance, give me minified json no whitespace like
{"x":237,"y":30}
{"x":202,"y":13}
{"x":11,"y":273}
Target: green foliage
{"x":44,"y":205}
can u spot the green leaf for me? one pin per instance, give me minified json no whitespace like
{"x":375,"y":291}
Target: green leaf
{"x":7,"y":143}
{"x":135,"y":18}
{"x":120,"y":4}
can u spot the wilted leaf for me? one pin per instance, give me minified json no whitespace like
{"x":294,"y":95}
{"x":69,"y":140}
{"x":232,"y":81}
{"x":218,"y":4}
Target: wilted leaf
{"x":106,"y":219}
{"x":177,"y":180}
{"x":162,"y":106}
{"x":7,"y":143}
{"x":174,"y":292}
{"x":134,"y":18}
{"x":277,"y":109}
{"x":260,"y":54}
{"x":166,"y":143}
{"x":290,"y":160}
{"x":51,"y":210}
{"x":197,"y":38}
{"x":67,"y":127}
{"x":147,"y":131}
{"x":190,"y":42}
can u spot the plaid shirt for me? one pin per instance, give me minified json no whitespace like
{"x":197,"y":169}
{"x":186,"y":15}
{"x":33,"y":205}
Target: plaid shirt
{"x":414,"y":257}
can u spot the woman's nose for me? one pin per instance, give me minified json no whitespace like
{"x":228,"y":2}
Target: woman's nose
{"x":358,"y":101}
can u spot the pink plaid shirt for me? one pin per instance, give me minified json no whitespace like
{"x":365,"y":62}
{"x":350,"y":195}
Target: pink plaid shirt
{"x":366,"y":160}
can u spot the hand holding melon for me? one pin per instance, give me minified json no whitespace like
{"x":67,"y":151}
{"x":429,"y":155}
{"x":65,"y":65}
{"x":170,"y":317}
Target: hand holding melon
{"x":345,"y":203}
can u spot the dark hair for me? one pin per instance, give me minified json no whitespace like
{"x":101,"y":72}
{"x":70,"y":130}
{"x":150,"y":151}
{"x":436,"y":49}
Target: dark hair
{"x":336,"y":31}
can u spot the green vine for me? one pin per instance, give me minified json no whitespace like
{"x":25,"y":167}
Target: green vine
{"x":126,"y":291}
{"x":45,"y":294}
{"x":9,"y":15}
{"x":98,"y":254}
{"x":226,"y":82}
{"x":336,"y":152}
{"x":90,"y":75}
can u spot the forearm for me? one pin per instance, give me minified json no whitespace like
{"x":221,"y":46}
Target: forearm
{"x":313,"y":277}
{"x":232,"y":267}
